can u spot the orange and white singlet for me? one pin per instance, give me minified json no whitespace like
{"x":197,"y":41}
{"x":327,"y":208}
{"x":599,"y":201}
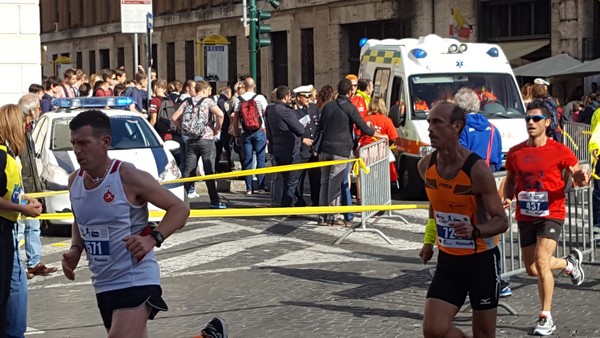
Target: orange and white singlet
{"x":453,"y":200}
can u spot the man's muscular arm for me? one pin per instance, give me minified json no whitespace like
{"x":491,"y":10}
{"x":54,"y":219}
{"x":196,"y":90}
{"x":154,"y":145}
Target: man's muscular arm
{"x":485,"y":188}
{"x":142,"y":187}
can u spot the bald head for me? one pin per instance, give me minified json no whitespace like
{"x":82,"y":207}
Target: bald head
{"x":249,"y":84}
{"x":453,"y":111}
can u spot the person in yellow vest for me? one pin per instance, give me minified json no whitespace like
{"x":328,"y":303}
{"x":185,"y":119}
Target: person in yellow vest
{"x":12,"y":201}
{"x":365,"y":90}
{"x":465,"y":220}
{"x":594,"y":149}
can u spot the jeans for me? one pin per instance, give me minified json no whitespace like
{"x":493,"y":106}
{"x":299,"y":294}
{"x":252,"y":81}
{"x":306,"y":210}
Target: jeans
{"x":193,"y":150}
{"x":224,"y":143}
{"x":346,"y":194}
{"x":331,"y":183}
{"x":33,"y":243}
{"x":179,"y":154}
{"x":7,"y":256}
{"x":16,"y":314}
{"x":254,"y":142}
{"x":290,"y":181}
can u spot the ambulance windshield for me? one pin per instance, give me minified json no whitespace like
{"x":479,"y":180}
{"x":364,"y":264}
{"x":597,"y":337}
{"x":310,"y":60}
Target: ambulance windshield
{"x":498,"y":93}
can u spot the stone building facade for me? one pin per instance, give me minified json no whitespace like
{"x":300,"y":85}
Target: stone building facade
{"x":313,"y":41}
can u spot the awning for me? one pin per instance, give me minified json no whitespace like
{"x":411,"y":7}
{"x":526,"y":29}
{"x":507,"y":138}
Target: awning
{"x":516,"y":49}
{"x":547,"y":67}
{"x":579,"y":71}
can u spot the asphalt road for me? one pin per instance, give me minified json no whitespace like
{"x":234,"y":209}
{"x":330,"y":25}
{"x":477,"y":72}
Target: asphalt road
{"x":280,"y":277}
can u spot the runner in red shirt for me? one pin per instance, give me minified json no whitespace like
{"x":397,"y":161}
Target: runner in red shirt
{"x":534,"y":177}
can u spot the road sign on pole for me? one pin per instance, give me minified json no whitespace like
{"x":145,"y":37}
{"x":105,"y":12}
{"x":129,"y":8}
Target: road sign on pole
{"x":133,"y":15}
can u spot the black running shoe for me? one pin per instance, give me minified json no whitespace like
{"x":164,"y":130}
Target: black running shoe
{"x":216,"y":328}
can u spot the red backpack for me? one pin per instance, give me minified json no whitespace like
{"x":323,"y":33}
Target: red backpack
{"x":249,"y":114}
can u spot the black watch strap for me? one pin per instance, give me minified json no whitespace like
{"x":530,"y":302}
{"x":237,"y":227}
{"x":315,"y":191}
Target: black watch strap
{"x":158,"y":237}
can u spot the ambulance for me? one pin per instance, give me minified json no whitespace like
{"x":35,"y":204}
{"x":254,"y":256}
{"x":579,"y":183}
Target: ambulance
{"x":413,"y":74}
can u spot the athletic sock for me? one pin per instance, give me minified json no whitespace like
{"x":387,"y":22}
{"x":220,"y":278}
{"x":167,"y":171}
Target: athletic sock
{"x":570,"y":266}
{"x":546,"y":314}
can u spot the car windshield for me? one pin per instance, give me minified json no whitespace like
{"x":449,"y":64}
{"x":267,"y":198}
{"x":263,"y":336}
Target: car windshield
{"x":498,"y":93}
{"x":128,"y":132}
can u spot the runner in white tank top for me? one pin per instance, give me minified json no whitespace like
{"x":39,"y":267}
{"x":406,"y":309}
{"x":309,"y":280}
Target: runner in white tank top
{"x":109,"y":201}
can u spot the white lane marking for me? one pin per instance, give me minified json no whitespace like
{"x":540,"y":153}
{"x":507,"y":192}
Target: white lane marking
{"x":314,"y":253}
{"x":31,"y":331}
{"x":176,"y":239}
{"x":214,"y":252}
{"x":365,"y":238}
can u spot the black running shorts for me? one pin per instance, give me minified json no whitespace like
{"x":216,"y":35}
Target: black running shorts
{"x":130,"y":298}
{"x":543,"y":227}
{"x":476,"y":275}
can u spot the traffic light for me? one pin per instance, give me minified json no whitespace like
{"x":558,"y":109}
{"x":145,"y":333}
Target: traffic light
{"x":263,"y":28}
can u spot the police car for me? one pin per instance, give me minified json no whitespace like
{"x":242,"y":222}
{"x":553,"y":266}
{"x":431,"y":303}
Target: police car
{"x":133,"y":140}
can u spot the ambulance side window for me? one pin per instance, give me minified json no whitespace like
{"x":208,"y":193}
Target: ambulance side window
{"x":397,"y":104}
{"x":381,"y":81}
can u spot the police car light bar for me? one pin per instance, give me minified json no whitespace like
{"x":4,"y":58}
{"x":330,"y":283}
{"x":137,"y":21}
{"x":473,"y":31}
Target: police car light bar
{"x":92,"y":102}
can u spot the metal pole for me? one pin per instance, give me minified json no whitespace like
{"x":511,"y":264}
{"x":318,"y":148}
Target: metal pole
{"x":244,"y":14}
{"x":135,"y":53}
{"x":149,"y":56}
{"x":252,"y":40}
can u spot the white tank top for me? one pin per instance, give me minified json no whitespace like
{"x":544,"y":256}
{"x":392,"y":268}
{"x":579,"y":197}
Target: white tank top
{"x":104,"y":217}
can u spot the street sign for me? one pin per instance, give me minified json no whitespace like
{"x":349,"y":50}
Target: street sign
{"x":150,"y":20}
{"x":133,"y":15}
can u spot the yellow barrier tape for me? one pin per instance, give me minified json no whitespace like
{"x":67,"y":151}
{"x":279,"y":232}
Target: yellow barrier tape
{"x":47,"y":193}
{"x":358,"y":164}
{"x":268,"y":170}
{"x":586,"y":132}
{"x":571,"y":139}
{"x":261,"y":212}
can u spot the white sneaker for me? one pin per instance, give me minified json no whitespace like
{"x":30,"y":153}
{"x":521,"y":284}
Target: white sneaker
{"x":577,"y":275}
{"x":193,"y":194}
{"x":545,"y":326}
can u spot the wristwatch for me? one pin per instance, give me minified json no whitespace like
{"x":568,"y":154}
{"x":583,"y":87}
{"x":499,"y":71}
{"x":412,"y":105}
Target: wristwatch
{"x":158,"y":237}
{"x":476,"y":232}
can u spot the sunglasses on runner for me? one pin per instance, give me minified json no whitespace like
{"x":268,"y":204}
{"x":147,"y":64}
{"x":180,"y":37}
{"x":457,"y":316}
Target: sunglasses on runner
{"x":535,"y":118}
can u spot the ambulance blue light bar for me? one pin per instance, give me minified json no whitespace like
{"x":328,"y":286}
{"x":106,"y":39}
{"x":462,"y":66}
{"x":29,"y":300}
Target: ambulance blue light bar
{"x":362,"y":42}
{"x":92,"y":102}
{"x":493,"y":52}
{"x":418,"y":53}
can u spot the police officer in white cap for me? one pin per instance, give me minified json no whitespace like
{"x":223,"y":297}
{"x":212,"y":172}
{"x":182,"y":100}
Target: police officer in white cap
{"x":309,"y":113}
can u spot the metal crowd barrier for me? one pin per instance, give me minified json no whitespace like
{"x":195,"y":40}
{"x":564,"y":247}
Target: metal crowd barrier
{"x":577,"y":233}
{"x":375,"y":187}
{"x":576,"y":136}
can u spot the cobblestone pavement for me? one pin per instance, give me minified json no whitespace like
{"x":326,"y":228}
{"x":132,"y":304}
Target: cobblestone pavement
{"x":278,"y":277}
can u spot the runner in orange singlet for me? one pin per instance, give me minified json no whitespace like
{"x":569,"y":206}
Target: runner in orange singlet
{"x":466,"y":219}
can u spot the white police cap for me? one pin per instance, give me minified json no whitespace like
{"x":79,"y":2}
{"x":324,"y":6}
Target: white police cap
{"x":541,"y":81}
{"x":303,"y":89}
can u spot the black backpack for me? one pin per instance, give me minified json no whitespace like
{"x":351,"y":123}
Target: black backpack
{"x":164,"y":124}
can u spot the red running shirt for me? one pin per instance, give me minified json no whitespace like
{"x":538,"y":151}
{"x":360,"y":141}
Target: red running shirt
{"x":539,"y":186}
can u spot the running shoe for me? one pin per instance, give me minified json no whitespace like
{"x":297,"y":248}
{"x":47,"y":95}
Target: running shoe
{"x":505,"y":292}
{"x":545,"y":326}
{"x":216,"y":328}
{"x":577,"y":275}
{"x":220,"y":205}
